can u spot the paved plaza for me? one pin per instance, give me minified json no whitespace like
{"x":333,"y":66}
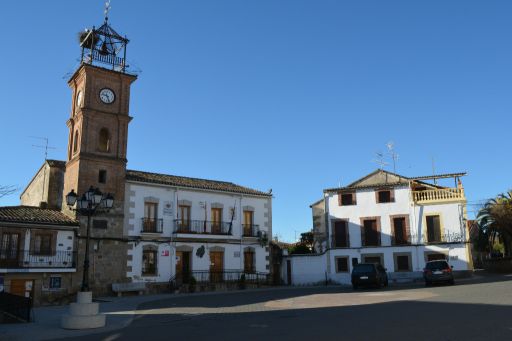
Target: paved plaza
{"x":474,"y":309}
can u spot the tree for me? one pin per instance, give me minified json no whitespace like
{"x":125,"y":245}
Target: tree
{"x":305,"y":244}
{"x":495,"y":221}
{"x":7,"y":190}
{"x":307,"y":239}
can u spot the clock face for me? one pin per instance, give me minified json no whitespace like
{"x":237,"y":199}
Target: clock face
{"x":107,"y":96}
{"x":79,"y":98}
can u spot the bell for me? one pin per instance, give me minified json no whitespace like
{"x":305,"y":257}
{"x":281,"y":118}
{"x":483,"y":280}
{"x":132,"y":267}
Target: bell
{"x":104,"y":49}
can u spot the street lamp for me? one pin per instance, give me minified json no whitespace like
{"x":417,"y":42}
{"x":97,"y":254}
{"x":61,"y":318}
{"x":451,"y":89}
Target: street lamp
{"x":88,"y":204}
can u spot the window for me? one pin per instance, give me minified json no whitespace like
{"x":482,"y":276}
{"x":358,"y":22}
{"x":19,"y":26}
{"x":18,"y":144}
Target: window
{"x":42,"y":244}
{"x":375,"y":258}
{"x":435,"y":256}
{"x":150,"y":217}
{"x":75,"y":142}
{"x":384,"y":196}
{"x":249,"y":266}
{"x":248,"y":223}
{"x":341,"y":233}
{"x":370,"y":232}
{"x":400,"y":233}
{"x":100,"y":224}
{"x":346,"y":199}
{"x":433,"y":228}
{"x":55,"y":282}
{"x":342,"y":264}
{"x":402,"y":261}
{"x":104,"y":140}
{"x":184,"y":217}
{"x":9,"y":248}
{"x":149,"y":258}
{"x":102,"y":176}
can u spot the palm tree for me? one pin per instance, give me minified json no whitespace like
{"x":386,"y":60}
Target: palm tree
{"x":495,"y":220}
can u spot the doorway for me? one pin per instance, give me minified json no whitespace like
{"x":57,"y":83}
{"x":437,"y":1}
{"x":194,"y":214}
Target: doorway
{"x":183,"y":266}
{"x":216,"y":266}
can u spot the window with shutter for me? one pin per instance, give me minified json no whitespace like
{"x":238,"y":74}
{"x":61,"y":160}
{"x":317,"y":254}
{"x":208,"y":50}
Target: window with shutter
{"x":342,"y":264}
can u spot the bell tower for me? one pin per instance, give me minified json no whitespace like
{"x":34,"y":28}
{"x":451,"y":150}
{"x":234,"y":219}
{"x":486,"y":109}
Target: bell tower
{"x":97,"y":142}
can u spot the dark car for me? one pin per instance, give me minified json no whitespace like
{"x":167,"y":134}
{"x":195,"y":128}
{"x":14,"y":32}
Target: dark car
{"x":438,"y":271}
{"x":369,"y":274}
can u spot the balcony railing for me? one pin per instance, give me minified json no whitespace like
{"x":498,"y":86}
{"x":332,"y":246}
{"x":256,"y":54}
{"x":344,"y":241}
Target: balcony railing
{"x":20,"y":259}
{"x":438,"y":195}
{"x":435,"y":238}
{"x":203,"y":227}
{"x":250,"y":230}
{"x":151,"y":225}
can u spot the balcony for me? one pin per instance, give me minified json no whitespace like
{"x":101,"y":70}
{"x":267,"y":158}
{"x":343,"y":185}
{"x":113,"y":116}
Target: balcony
{"x":150,"y":225}
{"x":202,"y":227}
{"x":436,"y":196}
{"x":438,"y":238}
{"x":250,"y":230}
{"x":24,"y":259}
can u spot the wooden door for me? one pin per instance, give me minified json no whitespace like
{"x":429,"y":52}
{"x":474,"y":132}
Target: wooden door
{"x":216,"y":220}
{"x":22,"y":287}
{"x":340,"y":233}
{"x":9,"y":249}
{"x":249,"y":262}
{"x":433,"y":228}
{"x":400,"y":234}
{"x":182,"y":266}
{"x":216,"y":266}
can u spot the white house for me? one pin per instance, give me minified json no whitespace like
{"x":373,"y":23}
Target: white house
{"x":182,"y":227}
{"x":397,"y":221}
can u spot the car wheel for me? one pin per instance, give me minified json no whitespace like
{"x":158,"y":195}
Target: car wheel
{"x":427,"y":283}
{"x":354,"y":287}
{"x":386,"y":283}
{"x":452,"y":282}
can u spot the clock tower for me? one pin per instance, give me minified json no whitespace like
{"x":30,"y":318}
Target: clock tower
{"x":97,"y":142}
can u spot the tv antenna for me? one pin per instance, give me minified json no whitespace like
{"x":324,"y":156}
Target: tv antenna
{"x":379,"y":160}
{"x":434,"y":171}
{"x":394,"y":156}
{"x":45,"y":146}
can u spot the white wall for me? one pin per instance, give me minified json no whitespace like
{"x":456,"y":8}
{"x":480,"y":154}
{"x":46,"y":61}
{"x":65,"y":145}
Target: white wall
{"x":136,"y":195}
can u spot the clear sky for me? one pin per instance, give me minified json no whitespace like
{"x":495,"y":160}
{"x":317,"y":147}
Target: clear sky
{"x":294,"y":95}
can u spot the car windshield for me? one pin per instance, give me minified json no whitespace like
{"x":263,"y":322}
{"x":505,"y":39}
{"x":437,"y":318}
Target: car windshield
{"x":438,"y":265}
{"x":363,"y":268}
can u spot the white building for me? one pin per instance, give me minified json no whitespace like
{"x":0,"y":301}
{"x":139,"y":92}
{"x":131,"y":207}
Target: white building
{"x":386,"y":218}
{"x":185,"y":226}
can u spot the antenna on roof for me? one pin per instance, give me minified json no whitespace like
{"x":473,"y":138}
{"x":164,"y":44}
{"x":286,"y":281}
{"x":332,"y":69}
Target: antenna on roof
{"x":379,"y":160}
{"x":45,"y":147}
{"x":394,"y":156}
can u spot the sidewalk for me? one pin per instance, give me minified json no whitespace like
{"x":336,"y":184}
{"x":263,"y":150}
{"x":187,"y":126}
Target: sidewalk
{"x":46,"y":325}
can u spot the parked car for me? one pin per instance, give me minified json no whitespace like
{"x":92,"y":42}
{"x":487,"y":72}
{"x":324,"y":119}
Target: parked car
{"x":369,"y":274}
{"x":438,"y":271}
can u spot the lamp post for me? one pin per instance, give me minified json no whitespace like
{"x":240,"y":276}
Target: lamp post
{"x":90,"y":203}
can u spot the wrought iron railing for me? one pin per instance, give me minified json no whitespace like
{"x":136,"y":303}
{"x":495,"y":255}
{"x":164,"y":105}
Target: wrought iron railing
{"x":223,"y":276}
{"x":203,"y":227}
{"x":18,"y":259}
{"x":151,"y":225}
{"x":250,"y":230}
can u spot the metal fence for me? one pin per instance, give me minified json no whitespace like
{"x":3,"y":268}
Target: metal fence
{"x":17,"y":306}
{"x":16,"y":259}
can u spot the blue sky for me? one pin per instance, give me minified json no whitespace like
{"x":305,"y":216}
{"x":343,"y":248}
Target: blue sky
{"x":296,"y":96}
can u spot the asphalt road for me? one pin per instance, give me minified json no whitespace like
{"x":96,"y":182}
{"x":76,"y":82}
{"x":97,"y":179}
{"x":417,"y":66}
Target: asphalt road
{"x":470,"y":310}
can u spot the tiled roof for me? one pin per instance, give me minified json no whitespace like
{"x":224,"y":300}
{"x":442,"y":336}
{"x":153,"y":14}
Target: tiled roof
{"x":181,"y":181}
{"x":35,"y":215}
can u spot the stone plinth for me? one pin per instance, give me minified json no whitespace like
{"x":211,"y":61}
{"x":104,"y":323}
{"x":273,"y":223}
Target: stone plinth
{"x":84,"y":314}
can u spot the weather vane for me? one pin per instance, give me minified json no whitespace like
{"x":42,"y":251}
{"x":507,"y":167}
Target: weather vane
{"x":107,"y":9}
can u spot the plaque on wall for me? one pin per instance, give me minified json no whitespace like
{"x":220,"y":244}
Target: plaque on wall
{"x":99,"y":224}
{"x":168,"y":208}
